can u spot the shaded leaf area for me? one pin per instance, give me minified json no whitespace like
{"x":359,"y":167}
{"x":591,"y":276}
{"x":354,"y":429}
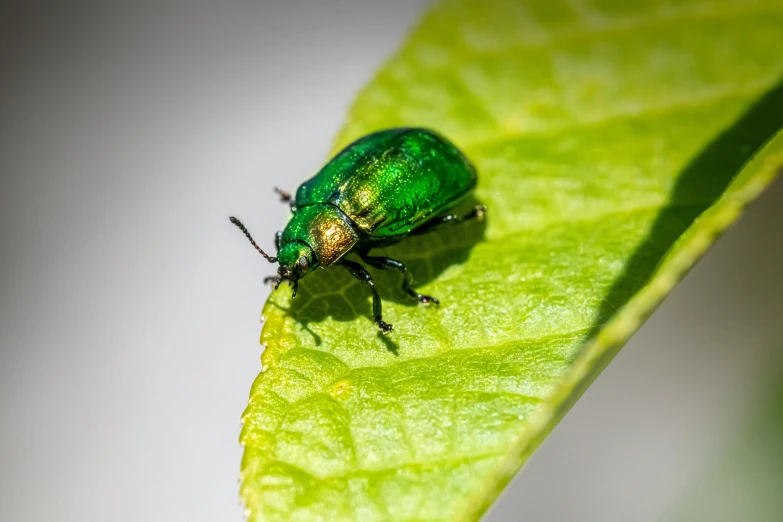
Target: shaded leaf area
{"x":606,"y":135}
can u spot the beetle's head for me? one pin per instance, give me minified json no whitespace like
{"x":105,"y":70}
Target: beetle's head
{"x":296,"y":260}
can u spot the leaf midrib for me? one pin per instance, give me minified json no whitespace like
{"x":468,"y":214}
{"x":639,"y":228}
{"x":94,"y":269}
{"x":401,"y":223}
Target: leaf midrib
{"x":460,"y":352}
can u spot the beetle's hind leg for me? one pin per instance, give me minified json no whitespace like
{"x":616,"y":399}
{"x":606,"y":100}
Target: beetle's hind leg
{"x":364,"y":277}
{"x":386,"y":263}
{"x":451,"y":219}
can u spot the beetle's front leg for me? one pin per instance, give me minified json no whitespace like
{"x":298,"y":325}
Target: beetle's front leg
{"x":273,"y":280}
{"x":286,"y":197}
{"x":364,"y":277}
{"x":387,"y":263}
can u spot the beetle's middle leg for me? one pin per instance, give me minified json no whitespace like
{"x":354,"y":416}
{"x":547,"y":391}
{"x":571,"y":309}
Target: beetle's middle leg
{"x":364,"y":277}
{"x":451,"y":219}
{"x":386,"y":263}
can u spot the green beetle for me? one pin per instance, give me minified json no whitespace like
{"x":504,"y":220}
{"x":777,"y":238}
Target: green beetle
{"x":378,"y":190}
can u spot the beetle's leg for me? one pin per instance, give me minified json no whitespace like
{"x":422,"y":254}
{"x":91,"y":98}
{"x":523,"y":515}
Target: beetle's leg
{"x":452,"y":219}
{"x":386,"y":263}
{"x":278,"y":239}
{"x":286,"y":197}
{"x":363,"y":276}
{"x":273,"y":279}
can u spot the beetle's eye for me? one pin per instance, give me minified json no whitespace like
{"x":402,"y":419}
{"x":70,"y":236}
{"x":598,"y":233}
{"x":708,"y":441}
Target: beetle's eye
{"x":303,"y":264}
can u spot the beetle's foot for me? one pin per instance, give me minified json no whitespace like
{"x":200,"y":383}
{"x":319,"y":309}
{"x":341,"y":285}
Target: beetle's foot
{"x":275,"y":280}
{"x":426,"y":300}
{"x":385,"y":327}
{"x":479,"y":212}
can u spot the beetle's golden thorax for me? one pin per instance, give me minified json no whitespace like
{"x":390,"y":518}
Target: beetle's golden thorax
{"x":326,"y":229}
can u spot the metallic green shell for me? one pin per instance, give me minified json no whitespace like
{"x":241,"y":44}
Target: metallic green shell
{"x":392,"y":181}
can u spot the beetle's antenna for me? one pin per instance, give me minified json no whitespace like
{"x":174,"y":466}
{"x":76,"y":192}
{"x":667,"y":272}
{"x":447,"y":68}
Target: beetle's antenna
{"x":250,"y":238}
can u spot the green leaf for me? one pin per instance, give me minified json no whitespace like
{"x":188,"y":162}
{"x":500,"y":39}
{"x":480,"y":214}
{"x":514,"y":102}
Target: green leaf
{"x":614,"y":140}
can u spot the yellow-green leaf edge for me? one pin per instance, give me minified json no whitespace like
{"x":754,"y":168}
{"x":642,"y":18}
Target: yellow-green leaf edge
{"x":600,"y":348}
{"x":750,"y":182}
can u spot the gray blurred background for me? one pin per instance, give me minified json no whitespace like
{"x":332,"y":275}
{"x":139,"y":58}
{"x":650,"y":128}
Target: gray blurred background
{"x":129,"y":306}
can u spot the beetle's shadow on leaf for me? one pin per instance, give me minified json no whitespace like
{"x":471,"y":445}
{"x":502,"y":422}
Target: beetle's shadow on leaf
{"x":698,"y":186}
{"x":429,"y":254}
{"x":333,"y":292}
